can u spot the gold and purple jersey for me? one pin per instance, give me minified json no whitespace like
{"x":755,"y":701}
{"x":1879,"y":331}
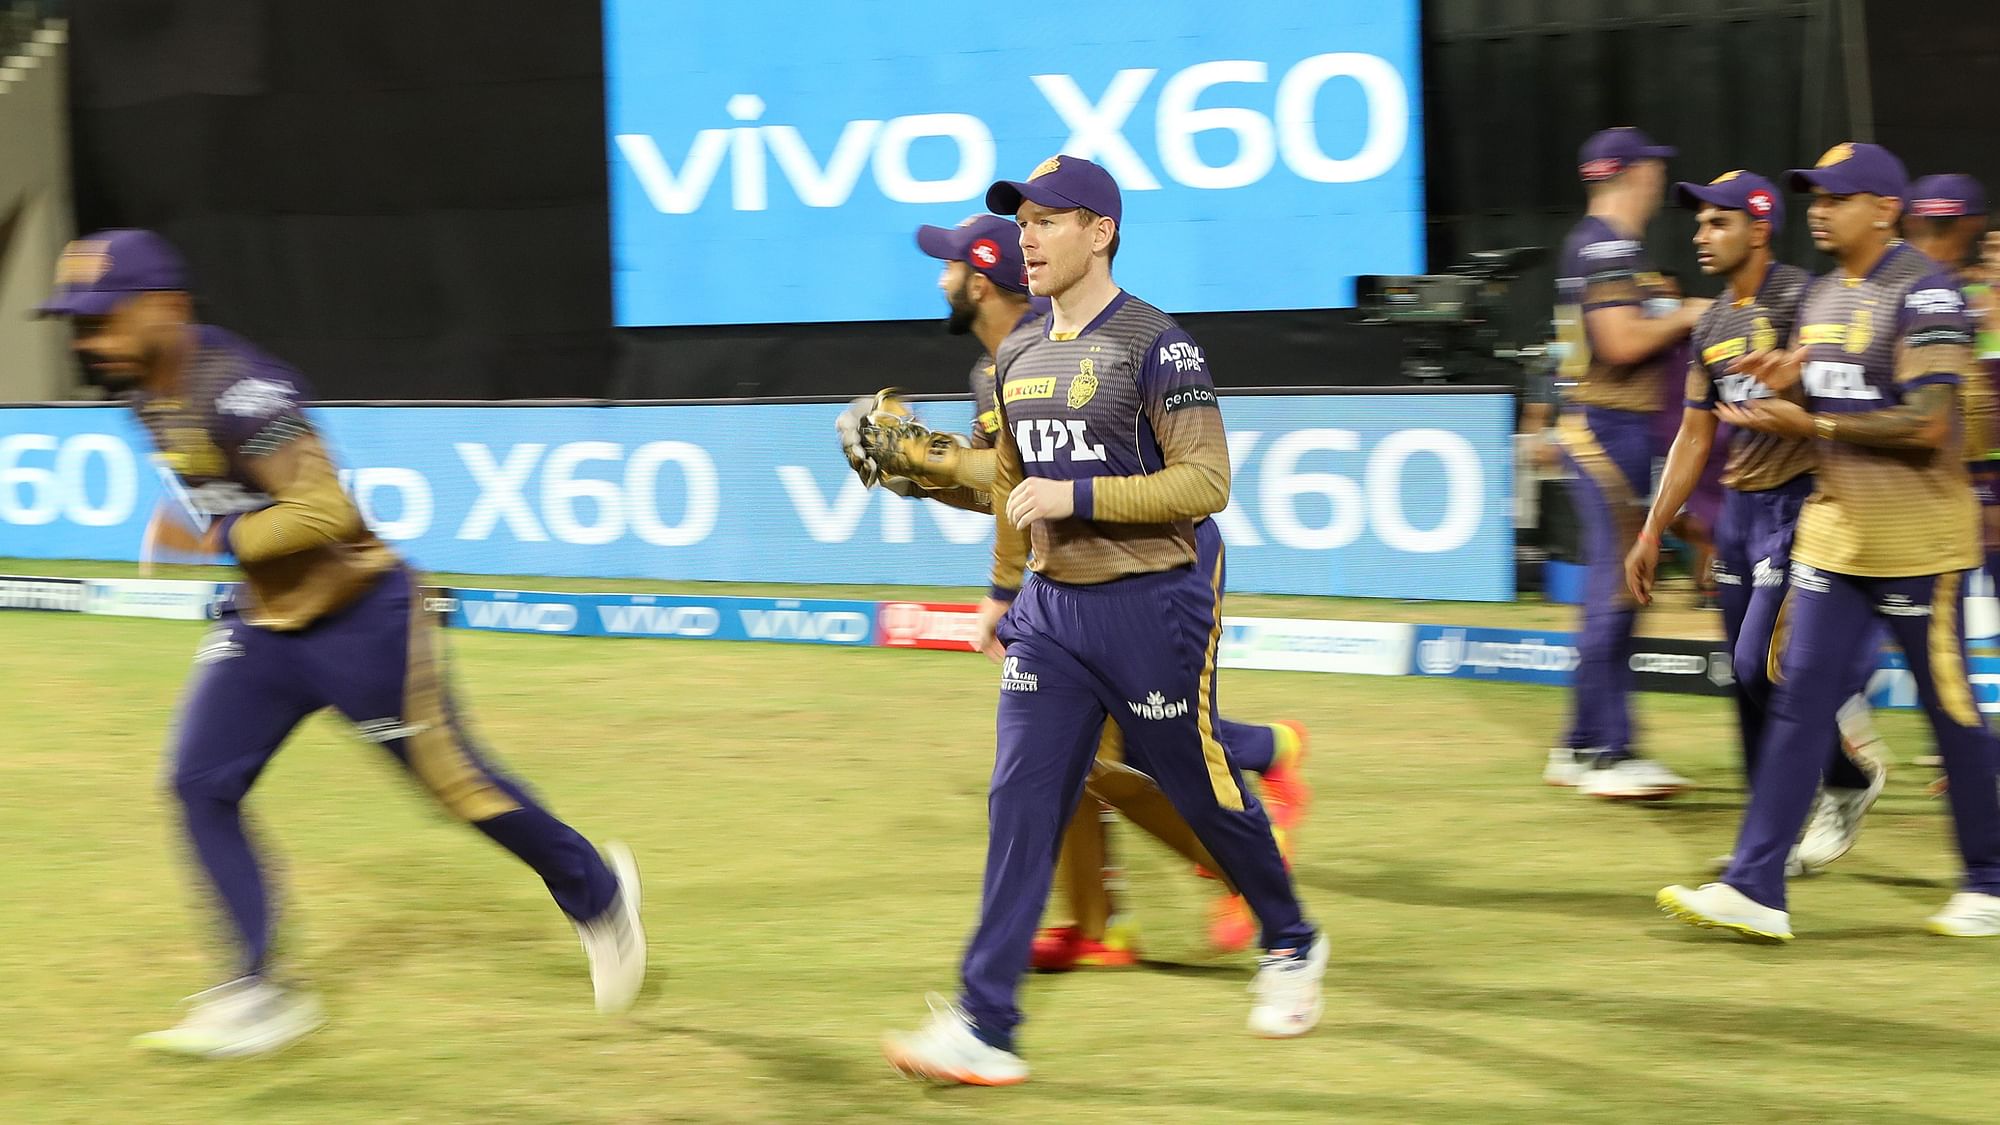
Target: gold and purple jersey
{"x":1870,"y":342}
{"x":1600,"y":269}
{"x":985,"y":403}
{"x":1126,"y":409}
{"x":239,"y":449}
{"x":1728,"y":331}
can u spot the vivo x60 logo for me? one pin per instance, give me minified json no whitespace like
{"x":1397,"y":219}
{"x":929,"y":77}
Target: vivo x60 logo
{"x":679,"y":181}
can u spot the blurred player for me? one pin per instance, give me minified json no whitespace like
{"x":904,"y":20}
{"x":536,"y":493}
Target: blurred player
{"x":1737,"y":216}
{"x":986,"y":287}
{"x":1613,"y":363}
{"x":1946,"y":219}
{"x":1111,"y":446}
{"x":1888,"y":534}
{"x":326,"y":616}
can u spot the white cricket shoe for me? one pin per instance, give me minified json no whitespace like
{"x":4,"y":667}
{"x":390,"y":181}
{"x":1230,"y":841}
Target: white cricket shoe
{"x":946,"y":1050}
{"x":1287,"y":990}
{"x":1723,"y":907}
{"x":615,"y":940}
{"x":248,"y":1016}
{"x":1631,"y":779}
{"x":1858,"y":735}
{"x":1566,"y":765}
{"x":1836,"y":818}
{"x":1967,"y":914}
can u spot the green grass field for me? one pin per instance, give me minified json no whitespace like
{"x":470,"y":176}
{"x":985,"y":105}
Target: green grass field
{"x":811,"y":822}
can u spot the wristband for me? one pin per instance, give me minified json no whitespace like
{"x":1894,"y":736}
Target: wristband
{"x":1824,"y":425}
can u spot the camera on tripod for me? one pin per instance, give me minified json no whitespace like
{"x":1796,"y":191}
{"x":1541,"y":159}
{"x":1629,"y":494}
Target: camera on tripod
{"x":1452,"y":321}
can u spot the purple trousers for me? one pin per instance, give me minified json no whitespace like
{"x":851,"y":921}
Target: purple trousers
{"x":1611,"y":452}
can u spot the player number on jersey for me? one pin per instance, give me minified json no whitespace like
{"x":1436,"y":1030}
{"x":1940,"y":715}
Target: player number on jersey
{"x":1041,"y":439}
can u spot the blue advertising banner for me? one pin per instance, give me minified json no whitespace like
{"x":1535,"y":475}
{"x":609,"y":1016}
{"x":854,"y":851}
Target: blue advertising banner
{"x":770,"y":160}
{"x":1406,"y":496}
{"x":801,"y":621}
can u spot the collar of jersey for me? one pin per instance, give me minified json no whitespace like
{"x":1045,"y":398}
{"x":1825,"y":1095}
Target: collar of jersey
{"x":1087,"y":329}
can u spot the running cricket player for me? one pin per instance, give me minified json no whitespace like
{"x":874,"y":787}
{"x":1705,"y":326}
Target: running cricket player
{"x":1888,"y":534}
{"x":986,"y":288}
{"x":326,"y":616}
{"x":1617,"y":316}
{"x":1766,"y":480}
{"x":1111,"y":448}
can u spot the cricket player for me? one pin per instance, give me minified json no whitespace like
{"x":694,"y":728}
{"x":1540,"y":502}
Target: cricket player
{"x":1616,"y":315}
{"x":1111,"y":447}
{"x":1888,"y":534}
{"x":985,"y":285}
{"x":326,"y":616}
{"x":1767,"y":479}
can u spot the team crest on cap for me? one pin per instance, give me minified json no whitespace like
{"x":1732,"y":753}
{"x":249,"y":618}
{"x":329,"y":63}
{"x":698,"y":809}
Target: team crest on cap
{"x":1835,"y":155}
{"x":1725,"y":177}
{"x":1760,"y":203}
{"x":1045,"y":167}
{"x":83,"y":262}
{"x":984,"y":253}
{"x":1084,"y":385}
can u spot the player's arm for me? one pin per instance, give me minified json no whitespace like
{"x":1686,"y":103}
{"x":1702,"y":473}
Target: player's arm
{"x":1614,"y":320}
{"x":1010,"y":541}
{"x":1686,"y":460}
{"x":290,"y":464}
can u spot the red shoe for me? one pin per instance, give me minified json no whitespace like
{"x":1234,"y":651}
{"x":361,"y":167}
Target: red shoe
{"x":1287,"y":794}
{"x":1231,"y":926}
{"x":1055,"y":949}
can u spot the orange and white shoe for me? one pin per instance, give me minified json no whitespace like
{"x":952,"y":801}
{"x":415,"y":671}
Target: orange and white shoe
{"x":1231,"y":925}
{"x":947,"y":1050}
{"x":1059,"y":949}
{"x":1287,"y":794}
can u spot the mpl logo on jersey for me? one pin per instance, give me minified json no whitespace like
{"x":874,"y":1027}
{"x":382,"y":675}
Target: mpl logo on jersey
{"x":827,"y":138}
{"x":937,"y":625}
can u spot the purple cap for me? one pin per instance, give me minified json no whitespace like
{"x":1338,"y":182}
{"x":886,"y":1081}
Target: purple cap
{"x":987,"y":243}
{"x":1947,"y":197}
{"x":99,"y":270}
{"x":1061,"y":182}
{"x":1736,"y":191}
{"x":1611,"y":151}
{"x":1854,"y":168}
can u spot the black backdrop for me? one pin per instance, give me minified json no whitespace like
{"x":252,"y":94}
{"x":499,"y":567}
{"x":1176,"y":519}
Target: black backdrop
{"x":408,"y":199}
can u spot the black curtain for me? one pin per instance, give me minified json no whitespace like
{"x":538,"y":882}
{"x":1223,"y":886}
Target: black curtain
{"x":404,"y":199}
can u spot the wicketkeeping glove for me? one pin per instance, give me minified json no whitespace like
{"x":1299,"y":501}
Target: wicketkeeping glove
{"x":899,"y":444}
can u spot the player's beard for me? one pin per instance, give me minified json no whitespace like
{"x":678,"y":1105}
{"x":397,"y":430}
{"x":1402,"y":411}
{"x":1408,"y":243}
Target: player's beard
{"x":963,"y":311}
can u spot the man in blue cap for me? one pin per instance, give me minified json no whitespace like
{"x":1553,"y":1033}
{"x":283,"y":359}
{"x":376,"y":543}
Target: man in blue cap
{"x":1111,"y":451}
{"x":326,"y":616}
{"x":1888,"y":534}
{"x":986,"y":288}
{"x":1621,"y":322}
{"x":1737,"y":217}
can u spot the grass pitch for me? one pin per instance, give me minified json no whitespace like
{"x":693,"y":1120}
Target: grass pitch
{"x":811,"y":824}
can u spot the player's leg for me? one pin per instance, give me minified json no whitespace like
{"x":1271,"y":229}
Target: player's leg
{"x":241,"y":702}
{"x":1090,"y":934}
{"x":1934,"y":645}
{"x":1746,"y":618}
{"x":1611,"y":453}
{"x":1048,"y":724}
{"x":385,"y":669}
{"x":1156,"y":653}
{"x":1824,"y":617}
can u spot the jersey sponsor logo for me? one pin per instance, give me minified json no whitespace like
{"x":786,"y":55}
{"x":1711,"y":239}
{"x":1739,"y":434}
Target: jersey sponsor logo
{"x":1827,"y":379}
{"x":1935,"y":302}
{"x":1728,"y":349}
{"x":1948,"y":336}
{"x":1156,"y":707}
{"x":1084,"y":386}
{"x":1183,"y":355}
{"x":1187,"y":398}
{"x":1860,"y":331}
{"x":989,"y":421}
{"x":254,"y":398}
{"x":1013,"y":679}
{"x":1740,"y":388}
{"x":1018,"y":390}
{"x":1823,"y":334}
{"x":1041,"y":439}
